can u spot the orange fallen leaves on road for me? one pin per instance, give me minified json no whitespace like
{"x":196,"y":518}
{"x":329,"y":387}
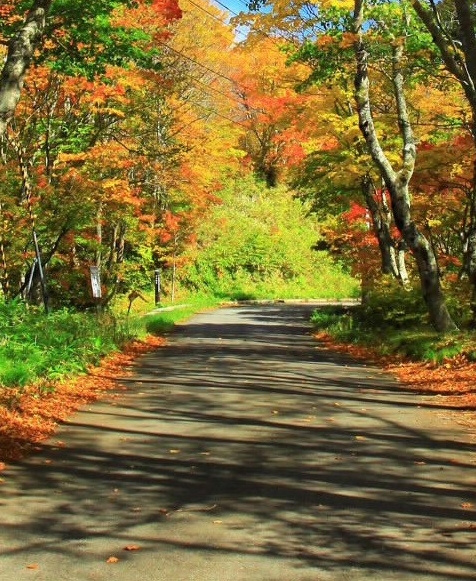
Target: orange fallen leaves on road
{"x":30,"y":417}
{"x":132,"y":548}
{"x":456,"y":388}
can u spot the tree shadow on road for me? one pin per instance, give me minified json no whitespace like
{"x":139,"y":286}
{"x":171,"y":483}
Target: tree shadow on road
{"x":245,"y":440}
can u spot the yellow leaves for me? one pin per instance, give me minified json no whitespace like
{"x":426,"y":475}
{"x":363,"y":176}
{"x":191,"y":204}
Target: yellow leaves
{"x":112,"y":559}
{"x":72,"y":158}
{"x":340,"y":4}
{"x":112,"y":184}
{"x":457,"y":169}
{"x":109,"y":111}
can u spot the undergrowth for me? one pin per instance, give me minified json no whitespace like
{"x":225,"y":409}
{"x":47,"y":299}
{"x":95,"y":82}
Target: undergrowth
{"x":394,"y":324}
{"x":41,"y":349}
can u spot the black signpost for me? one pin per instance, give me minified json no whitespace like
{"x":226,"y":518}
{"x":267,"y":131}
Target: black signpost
{"x":157,"y":286}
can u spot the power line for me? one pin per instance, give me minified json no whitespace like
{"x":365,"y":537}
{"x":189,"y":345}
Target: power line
{"x":225,"y":7}
{"x":210,"y":86}
{"x":216,"y":17}
{"x":217,"y":73}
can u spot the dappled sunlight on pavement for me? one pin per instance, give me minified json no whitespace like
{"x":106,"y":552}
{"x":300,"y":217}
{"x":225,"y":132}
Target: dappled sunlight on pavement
{"x":243,"y":450}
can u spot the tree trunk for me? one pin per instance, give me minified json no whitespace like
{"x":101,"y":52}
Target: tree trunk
{"x":402,"y":267}
{"x":20,"y":52}
{"x":381,"y":226}
{"x":397,"y":181}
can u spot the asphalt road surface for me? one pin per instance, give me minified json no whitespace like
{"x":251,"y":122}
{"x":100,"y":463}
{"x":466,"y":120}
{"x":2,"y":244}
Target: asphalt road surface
{"x":246,"y":451}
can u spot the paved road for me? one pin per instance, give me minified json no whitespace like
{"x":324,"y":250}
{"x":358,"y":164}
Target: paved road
{"x":244,"y":451}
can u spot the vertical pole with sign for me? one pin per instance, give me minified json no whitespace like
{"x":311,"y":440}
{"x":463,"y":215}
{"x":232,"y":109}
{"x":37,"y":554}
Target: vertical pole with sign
{"x":157,"y":286}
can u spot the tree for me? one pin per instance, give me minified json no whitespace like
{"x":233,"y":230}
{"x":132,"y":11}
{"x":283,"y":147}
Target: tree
{"x":71,"y":159}
{"x":92,"y":38}
{"x":453,"y":30}
{"x":397,"y":182}
{"x":274,"y":116}
{"x":21,"y":49}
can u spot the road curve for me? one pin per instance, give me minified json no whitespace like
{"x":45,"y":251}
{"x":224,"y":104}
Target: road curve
{"x":244,"y":450}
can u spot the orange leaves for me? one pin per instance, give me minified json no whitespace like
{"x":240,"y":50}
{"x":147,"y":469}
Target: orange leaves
{"x":457,"y":387}
{"x":26,"y":419}
{"x":112,"y":560}
{"x":131,"y":548}
{"x":150,"y":17}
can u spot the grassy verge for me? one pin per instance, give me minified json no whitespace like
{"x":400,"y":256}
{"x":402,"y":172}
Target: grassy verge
{"x":38,"y":349}
{"x":413,"y":340}
{"x":52,"y":365}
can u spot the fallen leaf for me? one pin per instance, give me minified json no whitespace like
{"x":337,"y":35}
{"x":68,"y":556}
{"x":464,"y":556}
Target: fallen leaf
{"x":2,"y":466}
{"x":466,"y":505}
{"x":112,"y":560}
{"x":131,"y":548}
{"x":174,"y":451}
{"x":217,"y":522}
{"x":33,"y":566}
{"x":360,"y":438}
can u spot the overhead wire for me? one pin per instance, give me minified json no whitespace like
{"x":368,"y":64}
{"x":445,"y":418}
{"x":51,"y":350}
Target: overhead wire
{"x":214,"y":16}
{"x":214,"y":72}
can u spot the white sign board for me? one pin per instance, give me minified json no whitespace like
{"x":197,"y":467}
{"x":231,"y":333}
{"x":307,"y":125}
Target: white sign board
{"x":95,"y":282}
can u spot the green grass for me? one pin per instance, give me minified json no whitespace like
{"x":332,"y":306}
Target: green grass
{"x":39,"y":349}
{"x":394,"y":325}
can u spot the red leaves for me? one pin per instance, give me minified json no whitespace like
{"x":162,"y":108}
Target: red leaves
{"x":356,"y":213}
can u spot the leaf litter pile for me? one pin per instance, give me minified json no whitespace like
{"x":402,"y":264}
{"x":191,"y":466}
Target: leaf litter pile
{"x":453,"y":381}
{"x":28,"y":417}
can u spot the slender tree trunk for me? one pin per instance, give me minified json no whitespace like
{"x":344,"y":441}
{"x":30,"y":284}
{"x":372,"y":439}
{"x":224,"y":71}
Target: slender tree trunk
{"x":5,"y":279}
{"x":381,"y":228}
{"x":402,"y":267}
{"x":20,"y":52}
{"x":397,"y":181}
